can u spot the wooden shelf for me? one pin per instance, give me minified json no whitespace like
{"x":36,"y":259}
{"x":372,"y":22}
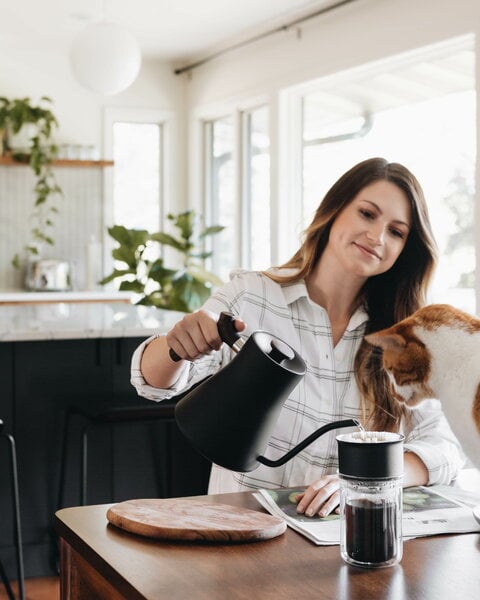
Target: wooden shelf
{"x":8,"y":161}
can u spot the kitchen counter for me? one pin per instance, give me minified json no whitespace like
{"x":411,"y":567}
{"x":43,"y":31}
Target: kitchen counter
{"x":57,"y":355}
{"x":80,"y":319}
{"x":21,"y":296}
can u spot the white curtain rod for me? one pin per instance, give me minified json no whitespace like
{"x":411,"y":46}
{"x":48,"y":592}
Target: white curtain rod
{"x":280,"y":29}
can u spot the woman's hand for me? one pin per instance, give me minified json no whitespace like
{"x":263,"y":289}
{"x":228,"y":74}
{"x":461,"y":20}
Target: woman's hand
{"x":322,"y":497}
{"x":197,"y":334}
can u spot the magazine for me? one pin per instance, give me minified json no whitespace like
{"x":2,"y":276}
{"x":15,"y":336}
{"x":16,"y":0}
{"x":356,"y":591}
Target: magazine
{"x":426,"y":511}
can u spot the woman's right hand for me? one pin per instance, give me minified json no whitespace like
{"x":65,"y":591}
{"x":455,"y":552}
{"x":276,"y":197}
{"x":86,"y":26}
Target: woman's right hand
{"x":197,"y":334}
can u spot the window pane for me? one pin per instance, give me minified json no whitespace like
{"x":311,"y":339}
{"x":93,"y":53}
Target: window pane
{"x":257,"y":198}
{"x":137,"y":173}
{"x":221,"y":194}
{"x":435,"y":139}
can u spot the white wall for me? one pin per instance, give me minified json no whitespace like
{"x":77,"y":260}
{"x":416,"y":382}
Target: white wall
{"x":41,"y":72}
{"x":357,"y":33}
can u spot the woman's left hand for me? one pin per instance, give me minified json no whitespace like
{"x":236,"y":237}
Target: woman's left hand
{"x":322,"y":497}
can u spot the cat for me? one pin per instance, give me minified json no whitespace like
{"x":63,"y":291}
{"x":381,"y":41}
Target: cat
{"x":435,"y":353}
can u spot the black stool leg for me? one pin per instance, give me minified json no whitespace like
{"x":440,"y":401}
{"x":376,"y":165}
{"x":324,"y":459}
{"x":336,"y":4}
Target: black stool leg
{"x":6,"y":583}
{"x":84,"y":466}
{"x":63,"y":460}
{"x":168,"y":462}
{"x":16,"y":508}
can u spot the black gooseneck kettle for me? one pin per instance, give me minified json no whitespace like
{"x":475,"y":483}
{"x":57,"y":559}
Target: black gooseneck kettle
{"x":229,"y":417}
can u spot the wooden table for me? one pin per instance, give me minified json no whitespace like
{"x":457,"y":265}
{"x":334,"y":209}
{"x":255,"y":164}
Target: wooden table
{"x":99,"y":561}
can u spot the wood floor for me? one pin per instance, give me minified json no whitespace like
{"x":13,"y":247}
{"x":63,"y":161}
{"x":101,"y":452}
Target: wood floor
{"x":42,"y":588}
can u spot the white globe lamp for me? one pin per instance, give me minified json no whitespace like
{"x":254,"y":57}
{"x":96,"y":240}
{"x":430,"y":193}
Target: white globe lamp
{"x":105,"y":58}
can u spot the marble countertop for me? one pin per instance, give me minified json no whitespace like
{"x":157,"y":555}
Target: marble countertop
{"x":81,"y":319}
{"x":20,"y":296}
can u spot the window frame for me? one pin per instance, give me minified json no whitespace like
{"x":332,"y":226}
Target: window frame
{"x":200,"y":184}
{"x":169,"y":149}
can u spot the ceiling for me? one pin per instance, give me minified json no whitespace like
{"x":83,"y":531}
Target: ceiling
{"x":171,"y":30}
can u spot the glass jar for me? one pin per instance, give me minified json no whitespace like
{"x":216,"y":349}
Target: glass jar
{"x":371,"y":523}
{"x":371,"y":472}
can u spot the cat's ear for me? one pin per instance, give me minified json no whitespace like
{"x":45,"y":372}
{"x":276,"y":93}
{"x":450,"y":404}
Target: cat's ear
{"x":386,"y":340}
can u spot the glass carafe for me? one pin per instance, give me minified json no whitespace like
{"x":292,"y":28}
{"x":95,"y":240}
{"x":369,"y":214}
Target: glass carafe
{"x":371,"y":472}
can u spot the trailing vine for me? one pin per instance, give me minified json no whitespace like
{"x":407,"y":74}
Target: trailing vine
{"x":14,"y":115}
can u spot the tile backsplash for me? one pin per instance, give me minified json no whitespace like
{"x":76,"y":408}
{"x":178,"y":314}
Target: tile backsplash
{"x":79,"y":220}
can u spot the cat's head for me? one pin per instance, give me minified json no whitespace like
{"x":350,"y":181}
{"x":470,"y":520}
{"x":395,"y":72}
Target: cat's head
{"x":405,"y":357}
{"x":408,"y":359}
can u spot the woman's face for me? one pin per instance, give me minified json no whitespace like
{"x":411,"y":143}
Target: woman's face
{"x":369,"y":234}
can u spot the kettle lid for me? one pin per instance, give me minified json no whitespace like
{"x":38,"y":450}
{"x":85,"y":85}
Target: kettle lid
{"x":279,"y":352}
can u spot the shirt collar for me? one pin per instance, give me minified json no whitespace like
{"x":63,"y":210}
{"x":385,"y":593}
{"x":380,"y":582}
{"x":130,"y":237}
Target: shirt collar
{"x":294,"y":291}
{"x":291,"y":291}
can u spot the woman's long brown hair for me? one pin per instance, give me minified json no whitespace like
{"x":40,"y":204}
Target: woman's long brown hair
{"x":388,"y":297}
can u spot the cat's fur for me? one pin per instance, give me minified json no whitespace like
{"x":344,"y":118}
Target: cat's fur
{"x":435,"y":353}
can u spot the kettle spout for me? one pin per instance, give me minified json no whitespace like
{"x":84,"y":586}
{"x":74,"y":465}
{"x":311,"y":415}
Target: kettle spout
{"x":307,"y":441}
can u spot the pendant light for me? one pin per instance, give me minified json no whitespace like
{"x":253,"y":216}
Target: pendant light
{"x":105,"y":58}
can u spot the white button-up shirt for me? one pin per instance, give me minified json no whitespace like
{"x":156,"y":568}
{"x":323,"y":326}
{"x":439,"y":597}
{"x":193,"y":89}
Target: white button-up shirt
{"x":328,"y":392}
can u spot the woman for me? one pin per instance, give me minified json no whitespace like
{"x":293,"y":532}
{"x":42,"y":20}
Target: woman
{"x":365,"y":263}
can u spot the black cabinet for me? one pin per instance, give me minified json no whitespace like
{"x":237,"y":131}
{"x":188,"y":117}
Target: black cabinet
{"x":41,"y":379}
{"x":6,"y":414}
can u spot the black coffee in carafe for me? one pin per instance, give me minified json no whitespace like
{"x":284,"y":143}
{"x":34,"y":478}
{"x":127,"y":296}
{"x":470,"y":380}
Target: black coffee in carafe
{"x":371,"y":471}
{"x":371,"y":530}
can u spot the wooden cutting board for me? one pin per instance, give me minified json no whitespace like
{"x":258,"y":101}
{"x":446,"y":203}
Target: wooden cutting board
{"x":184,"y":519}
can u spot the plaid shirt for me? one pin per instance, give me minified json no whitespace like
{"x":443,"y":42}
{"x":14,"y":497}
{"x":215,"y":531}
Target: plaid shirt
{"x":328,"y":391}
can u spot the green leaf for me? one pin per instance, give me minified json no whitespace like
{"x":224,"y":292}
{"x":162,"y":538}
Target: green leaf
{"x":185,"y":222}
{"x":117,"y":273}
{"x":167,"y":240}
{"x":201,"y":255}
{"x":213,"y":229}
{"x":126,"y":255}
{"x":129,"y":237}
{"x":132,"y":286}
{"x":160,"y":274}
{"x":188,"y":293}
{"x":16,"y":264}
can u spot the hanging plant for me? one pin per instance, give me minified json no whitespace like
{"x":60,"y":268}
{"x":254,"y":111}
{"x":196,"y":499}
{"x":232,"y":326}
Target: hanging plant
{"x":16,"y":115}
{"x":185,"y":288}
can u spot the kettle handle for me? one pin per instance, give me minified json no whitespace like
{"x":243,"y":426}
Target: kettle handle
{"x":226,"y":331}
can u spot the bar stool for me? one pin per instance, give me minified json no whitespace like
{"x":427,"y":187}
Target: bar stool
{"x":163,"y":412}
{"x":16,"y":519}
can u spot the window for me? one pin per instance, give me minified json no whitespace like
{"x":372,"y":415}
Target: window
{"x":137,"y":175}
{"x":138,"y":191}
{"x":220,"y":193}
{"x":256,"y":196}
{"x":421,"y":114}
{"x":237,"y":190}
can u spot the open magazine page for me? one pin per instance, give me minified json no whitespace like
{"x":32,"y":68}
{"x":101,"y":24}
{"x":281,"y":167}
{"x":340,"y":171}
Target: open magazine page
{"x":282,"y":503}
{"x":426,"y":511}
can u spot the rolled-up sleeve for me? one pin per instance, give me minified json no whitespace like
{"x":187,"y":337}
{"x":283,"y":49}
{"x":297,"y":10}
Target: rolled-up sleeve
{"x":191,"y":373}
{"x":429,"y":436}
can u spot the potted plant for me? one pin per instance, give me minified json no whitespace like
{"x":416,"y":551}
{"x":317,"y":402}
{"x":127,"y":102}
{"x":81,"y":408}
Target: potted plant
{"x":184,"y":288}
{"x":16,"y":115}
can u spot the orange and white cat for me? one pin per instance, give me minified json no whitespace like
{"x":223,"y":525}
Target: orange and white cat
{"x":435,"y":353}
